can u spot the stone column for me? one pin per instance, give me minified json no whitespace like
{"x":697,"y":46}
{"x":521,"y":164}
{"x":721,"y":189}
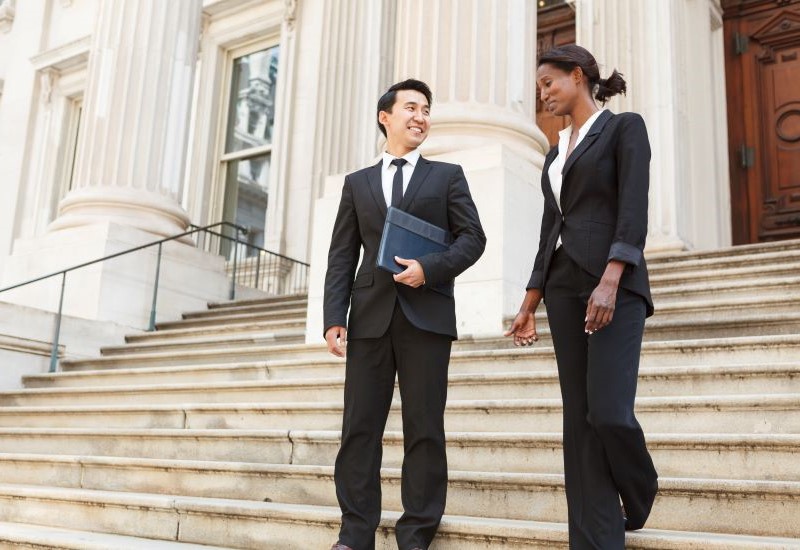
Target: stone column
{"x":479,"y":59}
{"x":132,"y":146}
{"x":672,"y":57}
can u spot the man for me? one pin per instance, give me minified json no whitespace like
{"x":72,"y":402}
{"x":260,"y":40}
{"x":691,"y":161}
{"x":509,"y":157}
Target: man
{"x":401,"y":324}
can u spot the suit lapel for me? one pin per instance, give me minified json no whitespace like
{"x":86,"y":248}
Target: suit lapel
{"x":421,"y":171}
{"x":547,"y":189}
{"x":591,"y":136}
{"x":376,"y":186}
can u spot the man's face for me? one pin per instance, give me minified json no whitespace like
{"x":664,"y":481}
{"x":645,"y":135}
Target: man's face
{"x":408,"y":124}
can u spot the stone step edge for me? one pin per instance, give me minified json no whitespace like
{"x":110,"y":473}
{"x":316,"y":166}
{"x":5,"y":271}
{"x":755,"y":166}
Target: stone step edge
{"x":486,"y":530}
{"x":712,"y":441}
{"x":776,"y":367}
{"x":267,"y":336}
{"x":268,"y":300}
{"x":753,"y":248}
{"x":725,"y":285}
{"x":219,"y":313}
{"x":780,"y":401}
{"x":454,"y":380}
{"x":761,"y":342}
{"x":263,"y":326}
{"x":699,"y":487}
{"x":41,"y":536}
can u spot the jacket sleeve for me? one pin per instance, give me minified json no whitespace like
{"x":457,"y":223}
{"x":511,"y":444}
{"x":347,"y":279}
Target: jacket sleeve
{"x":633,"y":172}
{"x":537,"y":275}
{"x":342,"y":261}
{"x":469,"y":241}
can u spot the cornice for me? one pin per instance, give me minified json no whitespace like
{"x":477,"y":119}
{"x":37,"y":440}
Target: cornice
{"x":62,"y":58}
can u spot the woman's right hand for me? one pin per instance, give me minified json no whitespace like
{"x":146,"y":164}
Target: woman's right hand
{"x":523,"y":329}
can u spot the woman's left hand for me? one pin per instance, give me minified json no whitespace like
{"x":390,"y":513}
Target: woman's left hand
{"x":600,"y":311}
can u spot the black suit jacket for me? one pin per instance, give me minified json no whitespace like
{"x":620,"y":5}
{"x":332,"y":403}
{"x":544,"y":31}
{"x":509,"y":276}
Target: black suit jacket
{"x":603,"y":213}
{"x":438,"y":193}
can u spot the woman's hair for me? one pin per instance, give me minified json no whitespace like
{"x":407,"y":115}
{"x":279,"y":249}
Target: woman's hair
{"x":570,"y":56}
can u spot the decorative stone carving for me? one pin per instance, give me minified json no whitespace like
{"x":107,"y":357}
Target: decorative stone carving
{"x":47,"y":79}
{"x":290,"y":13}
{"x":7,"y":12}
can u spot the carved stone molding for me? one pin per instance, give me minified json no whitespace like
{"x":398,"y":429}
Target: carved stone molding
{"x":47,"y":80}
{"x":7,"y":12}
{"x":290,"y":13}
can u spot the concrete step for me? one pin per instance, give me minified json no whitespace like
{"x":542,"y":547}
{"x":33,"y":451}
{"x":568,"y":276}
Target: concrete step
{"x":30,"y":536}
{"x":717,"y":351}
{"x":728,"y":456}
{"x":757,"y":414}
{"x":215,"y":341}
{"x":720,"y":265}
{"x":728,"y":252}
{"x":291,"y":300}
{"x":212,"y":331}
{"x":654,"y":381}
{"x":771,"y":286}
{"x":232,"y":311}
{"x":523,"y":496}
{"x":290,"y":318}
{"x":249,"y":524}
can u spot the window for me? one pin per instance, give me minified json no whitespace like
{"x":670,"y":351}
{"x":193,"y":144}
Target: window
{"x":248,"y":142}
{"x":65,"y":182}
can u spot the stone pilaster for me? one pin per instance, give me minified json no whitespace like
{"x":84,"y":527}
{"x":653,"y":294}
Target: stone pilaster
{"x":672,"y":57}
{"x":132,"y":145}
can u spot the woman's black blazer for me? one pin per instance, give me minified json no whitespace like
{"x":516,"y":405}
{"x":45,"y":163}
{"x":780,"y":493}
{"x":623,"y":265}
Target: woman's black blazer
{"x":603,"y":213}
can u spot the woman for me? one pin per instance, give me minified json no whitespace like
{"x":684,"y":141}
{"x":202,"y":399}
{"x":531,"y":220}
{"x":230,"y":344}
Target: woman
{"x":591,"y":272}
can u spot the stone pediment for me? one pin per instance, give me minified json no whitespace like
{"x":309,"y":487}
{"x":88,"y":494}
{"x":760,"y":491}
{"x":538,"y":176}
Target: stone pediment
{"x":780,"y":30}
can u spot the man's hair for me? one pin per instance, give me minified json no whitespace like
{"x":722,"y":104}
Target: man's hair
{"x":386,"y":102}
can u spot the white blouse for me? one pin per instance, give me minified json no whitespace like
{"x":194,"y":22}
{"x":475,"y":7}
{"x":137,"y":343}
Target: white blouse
{"x":554,"y":172}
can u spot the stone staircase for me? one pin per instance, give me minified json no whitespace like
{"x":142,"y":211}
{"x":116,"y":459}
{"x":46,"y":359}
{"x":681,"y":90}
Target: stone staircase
{"x":220,"y":430}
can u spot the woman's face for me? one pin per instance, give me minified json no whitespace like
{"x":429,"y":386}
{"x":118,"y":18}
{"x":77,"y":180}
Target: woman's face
{"x":559,"y":90}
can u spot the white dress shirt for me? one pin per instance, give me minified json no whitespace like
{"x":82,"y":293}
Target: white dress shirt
{"x":388,"y":170}
{"x":554,"y":172}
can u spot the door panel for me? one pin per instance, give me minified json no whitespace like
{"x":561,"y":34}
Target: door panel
{"x":763,"y":73}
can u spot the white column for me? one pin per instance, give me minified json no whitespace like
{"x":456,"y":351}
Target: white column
{"x":132,"y":145}
{"x":479,"y":59}
{"x":130,"y":161}
{"x":670,"y":55}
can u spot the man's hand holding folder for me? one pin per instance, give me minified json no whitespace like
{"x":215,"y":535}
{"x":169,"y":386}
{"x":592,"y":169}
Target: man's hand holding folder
{"x":405,"y":238}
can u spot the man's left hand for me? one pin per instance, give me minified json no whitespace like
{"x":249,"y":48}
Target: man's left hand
{"x":412,"y":275}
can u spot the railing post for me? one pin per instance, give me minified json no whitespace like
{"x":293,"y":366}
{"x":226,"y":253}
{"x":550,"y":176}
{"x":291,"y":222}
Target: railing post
{"x":152,"y":325}
{"x":57,"y":331}
{"x":232,"y":293}
{"x":258,"y":267}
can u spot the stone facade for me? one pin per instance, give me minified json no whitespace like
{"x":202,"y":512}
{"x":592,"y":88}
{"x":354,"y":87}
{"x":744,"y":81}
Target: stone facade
{"x":116,"y":119}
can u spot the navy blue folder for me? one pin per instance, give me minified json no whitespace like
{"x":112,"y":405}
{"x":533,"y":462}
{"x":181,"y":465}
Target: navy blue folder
{"x":409,"y":237}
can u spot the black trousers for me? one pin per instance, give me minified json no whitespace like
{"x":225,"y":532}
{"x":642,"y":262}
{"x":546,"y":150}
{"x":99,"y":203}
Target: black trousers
{"x":420,"y":359}
{"x":605,"y":456}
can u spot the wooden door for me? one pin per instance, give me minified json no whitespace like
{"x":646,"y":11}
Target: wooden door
{"x":763,"y":80}
{"x":556,"y":27}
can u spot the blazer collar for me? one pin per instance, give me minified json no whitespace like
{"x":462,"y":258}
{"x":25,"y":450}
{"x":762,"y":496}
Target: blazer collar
{"x":547,"y":189}
{"x":591,"y":136}
{"x":421,"y":171}
{"x":375,"y":185}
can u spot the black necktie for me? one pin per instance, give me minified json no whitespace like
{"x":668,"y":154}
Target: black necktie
{"x":397,"y":182}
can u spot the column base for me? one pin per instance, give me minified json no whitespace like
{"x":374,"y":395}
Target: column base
{"x":118,"y":290}
{"x":152,"y":212}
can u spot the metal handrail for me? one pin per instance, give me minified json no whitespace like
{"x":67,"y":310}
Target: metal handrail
{"x":159,"y":243}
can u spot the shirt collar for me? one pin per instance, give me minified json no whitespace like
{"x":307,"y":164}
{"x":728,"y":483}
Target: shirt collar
{"x":566,"y":133}
{"x":412,"y":157}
